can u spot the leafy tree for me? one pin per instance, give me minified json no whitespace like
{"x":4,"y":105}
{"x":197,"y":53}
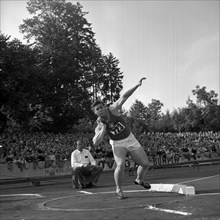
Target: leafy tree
{"x":138,"y":117}
{"x":147,"y":117}
{"x":204,"y":98}
{"x":20,"y":80}
{"x":165,"y":124}
{"x":112,"y":80}
{"x":204,"y":113}
{"x":211,"y":117}
{"x":154,"y":113}
{"x":208,"y":102}
{"x":178,"y":119}
{"x":139,"y":111}
{"x":64,"y":36}
{"x":105,"y":78}
{"x":72,"y":61}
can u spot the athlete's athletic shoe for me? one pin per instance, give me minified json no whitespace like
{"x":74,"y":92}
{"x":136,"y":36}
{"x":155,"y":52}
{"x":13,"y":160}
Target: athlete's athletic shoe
{"x":144,"y":184}
{"x":120,"y":195}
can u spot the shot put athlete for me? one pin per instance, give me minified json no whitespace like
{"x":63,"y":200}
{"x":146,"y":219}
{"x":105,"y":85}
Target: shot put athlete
{"x":122,"y":140}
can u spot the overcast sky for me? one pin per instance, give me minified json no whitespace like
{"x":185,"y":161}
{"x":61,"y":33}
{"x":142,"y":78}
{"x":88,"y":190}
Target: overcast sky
{"x":175,"y":44}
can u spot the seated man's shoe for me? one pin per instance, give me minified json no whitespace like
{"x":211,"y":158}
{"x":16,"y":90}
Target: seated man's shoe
{"x":94,"y":185}
{"x":90,"y":185}
{"x":81,"y":186}
{"x":144,"y":184}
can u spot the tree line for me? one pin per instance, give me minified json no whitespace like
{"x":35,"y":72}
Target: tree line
{"x":49,"y":83}
{"x":201,"y":115}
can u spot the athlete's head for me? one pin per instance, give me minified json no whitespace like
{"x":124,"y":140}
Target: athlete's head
{"x":99,"y":108}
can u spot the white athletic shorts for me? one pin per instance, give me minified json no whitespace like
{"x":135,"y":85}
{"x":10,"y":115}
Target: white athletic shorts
{"x":130,"y":143}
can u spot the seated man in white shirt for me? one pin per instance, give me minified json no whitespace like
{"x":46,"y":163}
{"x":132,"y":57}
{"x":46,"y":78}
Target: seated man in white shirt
{"x":84,"y":167}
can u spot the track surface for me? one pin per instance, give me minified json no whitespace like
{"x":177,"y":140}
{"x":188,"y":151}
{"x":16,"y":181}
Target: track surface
{"x":56,"y":199}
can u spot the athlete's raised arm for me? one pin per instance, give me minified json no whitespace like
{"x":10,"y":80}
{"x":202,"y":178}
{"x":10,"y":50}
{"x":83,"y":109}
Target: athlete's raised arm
{"x":118,"y":104}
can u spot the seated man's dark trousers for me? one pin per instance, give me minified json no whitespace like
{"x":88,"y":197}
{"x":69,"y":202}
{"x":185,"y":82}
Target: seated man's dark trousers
{"x":87,"y":175}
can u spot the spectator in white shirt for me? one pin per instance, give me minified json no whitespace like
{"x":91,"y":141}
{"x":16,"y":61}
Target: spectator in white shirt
{"x":84,"y":167}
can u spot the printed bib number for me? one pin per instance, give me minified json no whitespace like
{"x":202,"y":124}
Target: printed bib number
{"x":118,"y":128}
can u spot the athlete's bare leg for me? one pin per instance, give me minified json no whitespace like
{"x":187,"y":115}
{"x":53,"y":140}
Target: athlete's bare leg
{"x":119,"y":156}
{"x":140,"y":156}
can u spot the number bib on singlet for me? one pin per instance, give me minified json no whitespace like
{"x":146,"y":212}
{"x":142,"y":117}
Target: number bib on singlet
{"x":117,"y":129}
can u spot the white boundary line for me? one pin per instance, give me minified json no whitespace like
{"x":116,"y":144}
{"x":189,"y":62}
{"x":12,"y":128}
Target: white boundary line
{"x":86,"y":192}
{"x":146,"y":206}
{"x":198,"y":179}
{"x":44,"y":205}
{"x":167,"y":210}
{"x":90,"y":193}
{"x":25,"y":194}
{"x":208,"y":194}
{"x":86,"y":210}
{"x":109,"y":192}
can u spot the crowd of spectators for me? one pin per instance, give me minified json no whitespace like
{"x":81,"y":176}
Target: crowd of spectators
{"x":162,"y":148}
{"x":23,"y":148}
{"x":165,"y":148}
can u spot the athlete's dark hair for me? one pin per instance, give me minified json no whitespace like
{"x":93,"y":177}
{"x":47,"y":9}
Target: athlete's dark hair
{"x":97,"y":102}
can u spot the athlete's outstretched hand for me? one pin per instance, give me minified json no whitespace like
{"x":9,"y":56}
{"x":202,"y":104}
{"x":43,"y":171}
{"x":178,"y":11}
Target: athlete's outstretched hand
{"x":140,"y":82}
